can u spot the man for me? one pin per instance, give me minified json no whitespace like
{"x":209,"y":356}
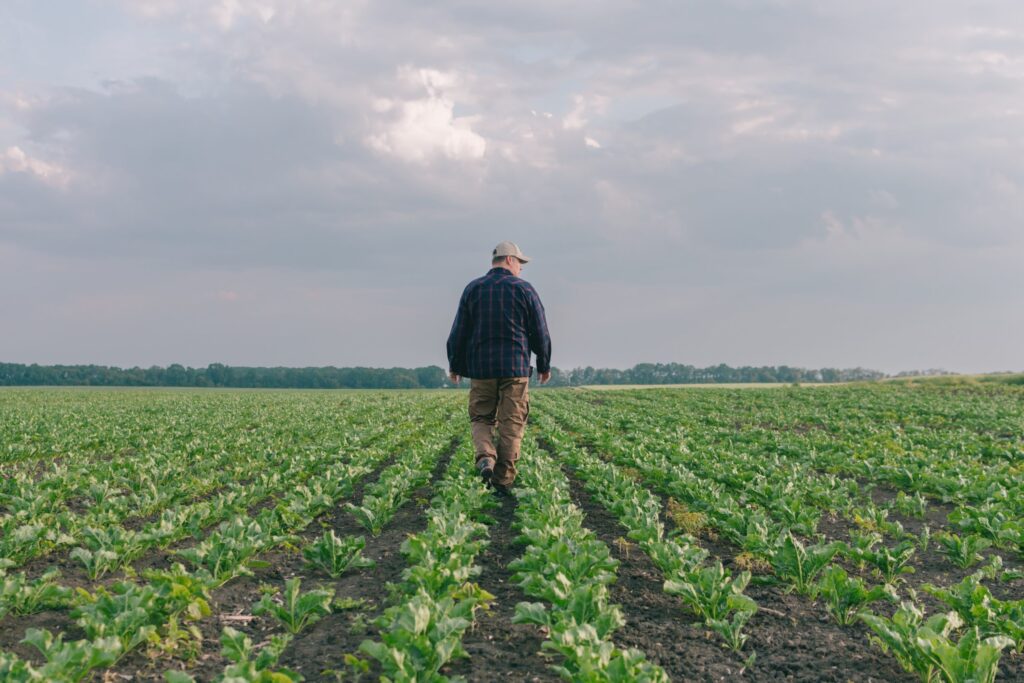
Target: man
{"x":500,"y":322}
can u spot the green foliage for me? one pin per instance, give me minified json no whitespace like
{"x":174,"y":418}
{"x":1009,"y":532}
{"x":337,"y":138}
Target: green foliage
{"x":925,"y":647}
{"x":250,"y":667}
{"x":800,"y":564}
{"x":708,"y":590}
{"x":71,"y":661}
{"x":294,"y":609}
{"x":845,"y":596}
{"x":589,"y":658}
{"x":96,"y":562}
{"x":335,"y":555}
{"x":227,"y":553}
{"x":889,"y":563}
{"x":19,"y":596}
{"x":973,"y":602}
{"x":962,"y":551}
{"x":915,"y":505}
{"x":183,"y":642}
{"x":420,"y":636}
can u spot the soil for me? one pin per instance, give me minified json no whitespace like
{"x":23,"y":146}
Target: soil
{"x":794,"y":640}
{"x":499,"y":649}
{"x":12,"y":630}
{"x":321,"y":646}
{"x":657,"y":624}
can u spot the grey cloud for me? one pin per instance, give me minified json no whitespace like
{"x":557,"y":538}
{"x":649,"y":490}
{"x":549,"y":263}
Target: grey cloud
{"x":793,"y":156}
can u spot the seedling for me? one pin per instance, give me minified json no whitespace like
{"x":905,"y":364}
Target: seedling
{"x":296,"y":610}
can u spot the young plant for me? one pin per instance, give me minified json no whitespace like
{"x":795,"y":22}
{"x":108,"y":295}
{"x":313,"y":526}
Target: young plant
{"x":890,"y":563}
{"x":924,"y":539}
{"x":182,"y":642}
{"x":742,"y":608}
{"x":237,"y":648}
{"x":962,"y":551}
{"x":20,"y":596}
{"x":912,"y":506}
{"x":708,"y":590}
{"x":71,"y":661}
{"x":926,"y":648}
{"x":674,"y":557}
{"x":335,"y":555}
{"x":296,"y":610}
{"x":977,"y":606}
{"x":373,"y":512}
{"x":845,"y":597}
{"x":587,"y":658}
{"x":800,"y":564}
{"x":128,"y":612}
{"x":861,"y":544}
{"x":420,"y":636}
{"x":226,"y":553}
{"x":96,"y":562}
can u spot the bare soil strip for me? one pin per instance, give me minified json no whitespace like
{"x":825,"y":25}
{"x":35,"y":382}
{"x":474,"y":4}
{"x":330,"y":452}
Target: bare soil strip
{"x":656,"y":623}
{"x":323,"y":646}
{"x":499,"y":649}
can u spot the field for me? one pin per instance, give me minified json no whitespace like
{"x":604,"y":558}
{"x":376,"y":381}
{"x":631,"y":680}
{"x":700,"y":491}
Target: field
{"x":846,"y":533}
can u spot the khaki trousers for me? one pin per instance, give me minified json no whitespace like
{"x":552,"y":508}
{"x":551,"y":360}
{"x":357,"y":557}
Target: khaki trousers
{"x":503,"y":402}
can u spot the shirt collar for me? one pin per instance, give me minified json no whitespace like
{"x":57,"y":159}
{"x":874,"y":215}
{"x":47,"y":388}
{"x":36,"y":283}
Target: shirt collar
{"x":495,"y":269}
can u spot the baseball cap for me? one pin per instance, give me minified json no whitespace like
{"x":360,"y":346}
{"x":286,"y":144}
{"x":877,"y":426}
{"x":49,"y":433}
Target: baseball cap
{"x":509,"y":249}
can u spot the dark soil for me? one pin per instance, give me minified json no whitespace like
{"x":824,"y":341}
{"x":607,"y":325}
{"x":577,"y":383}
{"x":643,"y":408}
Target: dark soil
{"x":323,"y":645}
{"x":795,"y":640}
{"x":499,"y":649}
{"x":12,"y":630}
{"x":657,"y":624}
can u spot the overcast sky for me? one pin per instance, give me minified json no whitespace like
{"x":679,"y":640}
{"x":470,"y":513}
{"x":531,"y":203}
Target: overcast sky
{"x":311,"y":182}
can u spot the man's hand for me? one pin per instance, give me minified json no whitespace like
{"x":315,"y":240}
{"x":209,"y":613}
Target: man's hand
{"x":544,"y":377}
{"x":455,"y":378}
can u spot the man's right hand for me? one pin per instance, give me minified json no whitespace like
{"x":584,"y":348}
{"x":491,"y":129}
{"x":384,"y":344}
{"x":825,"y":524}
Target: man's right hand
{"x":544,"y":377}
{"x":455,"y":378}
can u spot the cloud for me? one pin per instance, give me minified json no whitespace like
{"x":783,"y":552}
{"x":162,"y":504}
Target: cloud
{"x":424,"y":128}
{"x":775,"y":157}
{"x":14,"y":160}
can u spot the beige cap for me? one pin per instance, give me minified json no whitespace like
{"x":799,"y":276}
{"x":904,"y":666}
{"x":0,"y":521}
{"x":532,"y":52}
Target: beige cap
{"x":508,"y":249}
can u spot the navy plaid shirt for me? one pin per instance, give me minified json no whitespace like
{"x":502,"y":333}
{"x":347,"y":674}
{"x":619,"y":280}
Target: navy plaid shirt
{"x":500,"y":321}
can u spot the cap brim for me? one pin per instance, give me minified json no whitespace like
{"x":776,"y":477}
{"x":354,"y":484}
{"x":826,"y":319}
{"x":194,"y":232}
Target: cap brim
{"x":524,"y":259}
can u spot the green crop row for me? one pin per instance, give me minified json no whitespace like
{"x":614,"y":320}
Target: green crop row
{"x":126,"y":615}
{"x":570,"y":570}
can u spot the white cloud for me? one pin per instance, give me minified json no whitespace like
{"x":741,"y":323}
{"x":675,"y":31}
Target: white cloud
{"x":425,"y":128}
{"x":576,"y":118}
{"x":15,"y":160}
{"x":224,"y":14}
{"x":583,"y":107}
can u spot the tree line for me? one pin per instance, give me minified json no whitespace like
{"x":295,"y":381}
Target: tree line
{"x":431,"y":377}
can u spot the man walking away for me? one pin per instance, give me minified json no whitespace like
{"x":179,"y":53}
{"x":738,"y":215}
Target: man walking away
{"x":500,"y":322}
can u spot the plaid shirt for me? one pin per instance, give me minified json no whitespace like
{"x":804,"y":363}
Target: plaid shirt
{"x":500,"y":321}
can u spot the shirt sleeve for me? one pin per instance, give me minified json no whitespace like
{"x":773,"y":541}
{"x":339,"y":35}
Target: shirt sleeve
{"x":540,"y":340}
{"x":457,"y":339}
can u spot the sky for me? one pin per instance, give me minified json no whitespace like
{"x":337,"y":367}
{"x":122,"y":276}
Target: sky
{"x":310,"y":182}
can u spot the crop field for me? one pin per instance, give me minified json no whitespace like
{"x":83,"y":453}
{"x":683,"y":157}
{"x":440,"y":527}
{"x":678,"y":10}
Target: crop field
{"x":847,"y":533}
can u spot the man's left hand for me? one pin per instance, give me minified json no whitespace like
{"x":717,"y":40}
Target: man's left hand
{"x":454,"y":378}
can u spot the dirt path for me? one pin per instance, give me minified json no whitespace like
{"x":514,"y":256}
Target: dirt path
{"x":499,"y":649}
